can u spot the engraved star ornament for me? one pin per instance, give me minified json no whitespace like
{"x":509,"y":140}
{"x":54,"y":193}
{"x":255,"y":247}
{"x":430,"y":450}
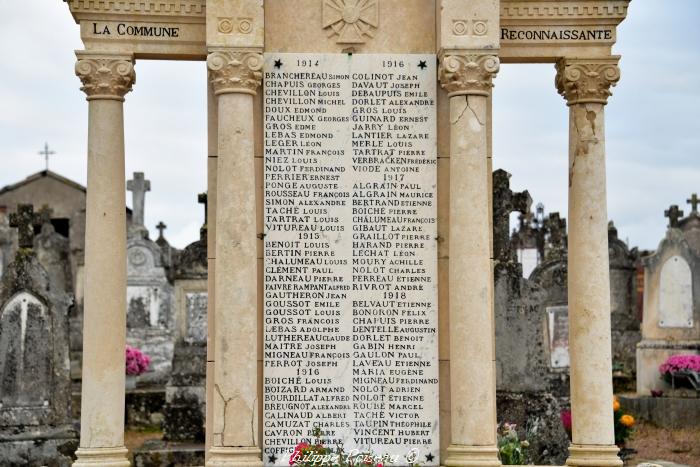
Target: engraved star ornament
{"x":351,"y":20}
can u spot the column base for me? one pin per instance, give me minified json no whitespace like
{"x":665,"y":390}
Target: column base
{"x":593,"y":455}
{"x":234,"y":457}
{"x":102,"y":457}
{"x":472,"y":456}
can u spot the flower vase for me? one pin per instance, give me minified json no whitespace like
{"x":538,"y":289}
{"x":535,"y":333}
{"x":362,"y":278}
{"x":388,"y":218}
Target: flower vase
{"x":130,"y":382}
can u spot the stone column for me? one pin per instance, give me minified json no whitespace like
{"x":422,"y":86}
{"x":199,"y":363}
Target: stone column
{"x":585,"y":84}
{"x":106,"y":79}
{"x":212,"y":162}
{"x":235,"y":76}
{"x":468,"y":80}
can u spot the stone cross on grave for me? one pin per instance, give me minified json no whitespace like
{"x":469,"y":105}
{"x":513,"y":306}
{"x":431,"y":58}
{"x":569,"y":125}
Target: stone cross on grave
{"x":202,"y":199}
{"x":694,"y":201}
{"x":673,"y":214}
{"x":138,"y":187}
{"x":161,"y":227}
{"x":24,"y":220}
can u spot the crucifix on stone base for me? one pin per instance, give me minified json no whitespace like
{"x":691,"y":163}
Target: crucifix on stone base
{"x":138,"y":186}
{"x":694,"y":201}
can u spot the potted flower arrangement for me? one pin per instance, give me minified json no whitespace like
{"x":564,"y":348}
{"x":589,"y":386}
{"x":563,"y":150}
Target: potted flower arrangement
{"x":681,"y":371}
{"x":624,"y":423}
{"x":137,"y":363}
{"x":510,"y":449}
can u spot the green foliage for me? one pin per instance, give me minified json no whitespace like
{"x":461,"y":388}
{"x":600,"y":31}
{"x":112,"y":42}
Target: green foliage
{"x":511,"y":449}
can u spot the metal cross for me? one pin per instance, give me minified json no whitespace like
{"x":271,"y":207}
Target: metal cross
{"x":46,"y":153}
{"x":24,"y":220}
{"x":202,"y":199}
{"x":673,"y":214}
{"x":694,"y":201}
{"x":161,"y":227}
{"x":138,"y":186}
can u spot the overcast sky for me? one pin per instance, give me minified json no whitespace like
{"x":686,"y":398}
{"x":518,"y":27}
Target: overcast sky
{"x":652,"y":132}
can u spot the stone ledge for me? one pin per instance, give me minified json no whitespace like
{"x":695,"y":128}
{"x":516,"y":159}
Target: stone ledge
{"x":665,"y":412}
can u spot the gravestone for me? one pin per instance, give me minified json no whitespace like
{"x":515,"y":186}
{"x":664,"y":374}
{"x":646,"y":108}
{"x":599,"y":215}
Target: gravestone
{"x":671,"y":323}
{"x":524,"y":395}
{"x":185,"y":393}
{"x":350,"y":334}
{"x":625,"y":322}
{"x":5,"y":241}
{"x":528,"y":239}
{"x":150,"y":297}
{"x":35,"y":392}
{"x":53,"y":252}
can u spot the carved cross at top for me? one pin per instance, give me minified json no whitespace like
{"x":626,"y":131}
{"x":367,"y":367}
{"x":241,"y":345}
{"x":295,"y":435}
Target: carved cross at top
{"x":673,"y":214}
{"x":694,"y":201}
{"x":138,"y":186}
{"x":24,"y":220}
{"x":161,"y":227}
{"x":202,"y":199}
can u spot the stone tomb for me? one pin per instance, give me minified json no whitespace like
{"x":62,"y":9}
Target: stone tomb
{"x":470,"y":39}
{"x":350,"y":254}
{"x":150,"y":297}
{"x":34,"y":361}
{"x":671,"y":323}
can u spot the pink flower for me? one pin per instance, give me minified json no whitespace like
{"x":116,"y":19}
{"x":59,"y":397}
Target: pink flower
{"x":566,"y":419}
{"x":676,"y":363}
{"x":136,"y":361}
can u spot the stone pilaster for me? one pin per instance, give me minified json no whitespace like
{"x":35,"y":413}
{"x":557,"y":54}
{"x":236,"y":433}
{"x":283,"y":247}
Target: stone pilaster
{"x":235,"y":76}
{"x":585,"y":84}
{"x":106,"y":79}
{"x":467,"y":77}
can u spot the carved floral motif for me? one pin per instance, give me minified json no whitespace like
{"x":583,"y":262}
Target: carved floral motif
{"x":468,"y":74}
{"x":105,"y":77}
{"x":233,"y":71}
{"x":351,"y":20}
{"x":586,"y":81}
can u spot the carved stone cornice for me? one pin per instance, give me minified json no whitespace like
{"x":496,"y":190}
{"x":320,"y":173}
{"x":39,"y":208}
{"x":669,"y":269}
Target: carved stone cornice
{"x":235,"y":71}
{"x":105,"y":76}
{"x":582,"y":81}
{"x":467,"y":73}
{"x":194,"y":8}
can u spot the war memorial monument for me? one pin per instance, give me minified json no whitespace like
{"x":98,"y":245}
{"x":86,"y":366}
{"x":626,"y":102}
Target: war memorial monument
{"x":350,"y":246}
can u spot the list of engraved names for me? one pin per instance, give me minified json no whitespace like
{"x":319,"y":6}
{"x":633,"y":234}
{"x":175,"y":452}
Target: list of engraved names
{"x":350,"y":281}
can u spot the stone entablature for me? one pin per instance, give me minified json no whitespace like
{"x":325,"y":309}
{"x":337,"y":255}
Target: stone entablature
{"x":529,"y":31}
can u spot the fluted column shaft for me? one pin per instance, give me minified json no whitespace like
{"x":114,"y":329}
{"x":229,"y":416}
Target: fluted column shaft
{"x":106,"y":79}
{"x":235,"y":77}
{"x":468,"y":80}
{"x":585,"y":84}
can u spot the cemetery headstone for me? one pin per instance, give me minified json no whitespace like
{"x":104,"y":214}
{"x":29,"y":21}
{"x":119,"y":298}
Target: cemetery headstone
{"x":35,"y":395}
{"x":524,"y":396}
{"x":185,"y":391}
{"x":150,"y":297}
{"x":53,"y":252}
{"x":671,"y":323}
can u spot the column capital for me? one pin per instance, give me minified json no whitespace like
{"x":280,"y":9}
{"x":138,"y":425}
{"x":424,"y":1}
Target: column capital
{"x":105,"y":75}
{"x":464,"y":72}
{"x":235,"y":70}
{"x":582,"y":81}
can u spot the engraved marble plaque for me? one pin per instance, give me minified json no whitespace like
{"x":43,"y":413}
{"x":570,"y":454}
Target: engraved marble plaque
{"x":676,"y":294}
{"x":558,"y":324}
{"x":350,"y":271}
